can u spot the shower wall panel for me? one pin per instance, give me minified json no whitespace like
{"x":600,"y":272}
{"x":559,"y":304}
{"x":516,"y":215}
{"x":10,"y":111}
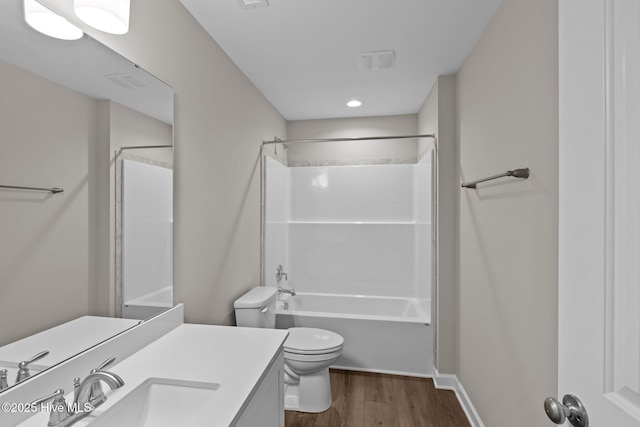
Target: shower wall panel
{"x":422,"y":190}
{"x":353,"y":259}
{"x":354,"y":230}
{"x":363,"y":193}
{"x":276,"y":221}
{"x":147,"y":229}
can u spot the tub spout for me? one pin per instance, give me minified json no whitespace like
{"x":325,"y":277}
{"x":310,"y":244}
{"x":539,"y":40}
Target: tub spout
{"x":291,"y":292}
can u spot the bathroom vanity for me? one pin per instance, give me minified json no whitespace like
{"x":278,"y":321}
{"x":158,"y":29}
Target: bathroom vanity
{"x":185,"y":374}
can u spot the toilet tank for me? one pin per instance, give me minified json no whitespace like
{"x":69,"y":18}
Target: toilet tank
{"x":257,"y":308}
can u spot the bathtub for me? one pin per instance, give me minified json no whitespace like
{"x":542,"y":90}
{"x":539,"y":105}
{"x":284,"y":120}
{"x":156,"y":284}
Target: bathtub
{"x":148,"y":305}
{"x":381,"y":334}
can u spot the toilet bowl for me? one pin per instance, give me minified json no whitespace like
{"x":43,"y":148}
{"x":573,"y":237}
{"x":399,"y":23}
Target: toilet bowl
{"x":308,"y":352}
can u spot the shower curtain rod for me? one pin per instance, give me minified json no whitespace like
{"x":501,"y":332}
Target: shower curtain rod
{"x":137,"y":147}
{"x":370,"y":138}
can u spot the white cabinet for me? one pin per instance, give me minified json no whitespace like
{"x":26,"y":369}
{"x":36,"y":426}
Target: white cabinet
{"x":265,"y":407}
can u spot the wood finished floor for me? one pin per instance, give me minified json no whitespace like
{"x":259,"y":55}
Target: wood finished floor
{"x":363,"y":399}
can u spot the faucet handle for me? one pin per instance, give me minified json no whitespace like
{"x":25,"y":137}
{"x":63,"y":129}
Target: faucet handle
{"x":59,"y":408}
{"x":3,"y":379}
{"x":104,"y":364}
{"x":23,"y":372}
{"x":280,"y":273}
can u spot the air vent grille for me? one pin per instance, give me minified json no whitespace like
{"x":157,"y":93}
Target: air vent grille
{"x":252,"y":4}
{"x":126,"y":81}
{"x":376,"y":61}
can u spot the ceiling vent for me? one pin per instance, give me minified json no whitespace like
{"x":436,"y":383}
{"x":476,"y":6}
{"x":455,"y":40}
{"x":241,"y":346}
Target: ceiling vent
{"x":376,"y":61}
{"x":252,"y":4}
{"x":126,"y":81}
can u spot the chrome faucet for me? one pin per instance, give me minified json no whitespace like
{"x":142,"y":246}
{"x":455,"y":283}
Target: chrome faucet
{"x":280,"y":274}
{"x":96,"y":395}
{"x":292,"y":292}
{"x":83,"y":391}
{"x":84,"y":402}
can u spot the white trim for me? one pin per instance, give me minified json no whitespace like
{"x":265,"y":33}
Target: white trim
{"x":384,"y":371}
{"x":451,"y":382}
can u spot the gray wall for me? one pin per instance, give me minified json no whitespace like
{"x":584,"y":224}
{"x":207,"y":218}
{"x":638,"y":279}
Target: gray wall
{"x":508,"y":118}
{"x":438,"y":115}
{"x":220,"y":120}
{"x":47,"y":133}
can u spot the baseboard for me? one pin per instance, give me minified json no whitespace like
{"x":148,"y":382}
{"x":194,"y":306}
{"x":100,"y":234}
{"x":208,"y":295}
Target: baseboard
{"x":383,"y":371}
{"x":451,"y":382}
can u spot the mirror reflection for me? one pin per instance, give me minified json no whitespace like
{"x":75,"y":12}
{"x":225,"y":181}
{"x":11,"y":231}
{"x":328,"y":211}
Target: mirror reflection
{"x":145,"y":198}
{"x":70,"y":113}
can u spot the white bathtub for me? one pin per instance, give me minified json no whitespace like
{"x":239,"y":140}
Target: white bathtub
{"x":382,"y":334}
{"x":148,"y":305}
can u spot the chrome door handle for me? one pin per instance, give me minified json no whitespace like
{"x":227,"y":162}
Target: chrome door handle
{"x":570,"y":409}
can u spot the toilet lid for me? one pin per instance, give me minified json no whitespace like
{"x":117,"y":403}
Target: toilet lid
{"x":312,"y":341}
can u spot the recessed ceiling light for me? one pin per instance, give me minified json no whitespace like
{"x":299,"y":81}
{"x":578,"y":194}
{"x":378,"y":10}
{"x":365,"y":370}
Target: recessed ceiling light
{"x":354,"y":103}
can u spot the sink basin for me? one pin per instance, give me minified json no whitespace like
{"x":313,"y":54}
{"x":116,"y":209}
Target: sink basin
{"x":160,"y":402}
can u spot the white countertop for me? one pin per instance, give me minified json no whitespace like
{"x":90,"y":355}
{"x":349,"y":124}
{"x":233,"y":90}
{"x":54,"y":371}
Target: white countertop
{"x":236,"y":358}
{"x":63,"y":341}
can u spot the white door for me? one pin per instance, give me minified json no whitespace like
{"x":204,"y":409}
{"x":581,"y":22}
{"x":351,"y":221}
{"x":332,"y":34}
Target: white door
{"x":599,"y":229}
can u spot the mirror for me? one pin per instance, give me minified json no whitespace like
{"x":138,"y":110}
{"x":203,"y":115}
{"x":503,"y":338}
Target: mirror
{"x":70,"y":113}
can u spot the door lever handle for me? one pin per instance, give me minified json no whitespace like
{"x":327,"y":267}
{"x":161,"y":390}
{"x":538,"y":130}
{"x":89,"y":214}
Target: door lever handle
{"x":570,"y":409}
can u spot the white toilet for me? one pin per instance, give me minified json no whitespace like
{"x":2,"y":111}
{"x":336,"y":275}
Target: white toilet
{"x":308,"y":352}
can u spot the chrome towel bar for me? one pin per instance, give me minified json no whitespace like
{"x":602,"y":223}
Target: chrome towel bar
{"x":16,"y":187}
{"x":516,"y":173}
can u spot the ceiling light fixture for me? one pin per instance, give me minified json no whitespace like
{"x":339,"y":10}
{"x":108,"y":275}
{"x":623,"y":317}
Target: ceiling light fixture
{"x":354,"y":103}
{"x":110,"y":16}
{"x":49,"y":23}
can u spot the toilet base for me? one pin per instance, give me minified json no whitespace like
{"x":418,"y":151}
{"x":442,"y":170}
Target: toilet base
{"x":312,"y":393}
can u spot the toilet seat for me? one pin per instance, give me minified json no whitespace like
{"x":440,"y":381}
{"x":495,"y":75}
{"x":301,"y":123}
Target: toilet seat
{"x":312,"y":341}
{"x":312,"y":357}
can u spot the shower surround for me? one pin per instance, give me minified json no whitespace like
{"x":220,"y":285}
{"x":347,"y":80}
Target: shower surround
{"x":355,"y":231}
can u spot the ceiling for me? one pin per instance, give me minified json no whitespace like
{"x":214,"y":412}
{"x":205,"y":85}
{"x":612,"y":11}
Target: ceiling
{"x":303,"y":54}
